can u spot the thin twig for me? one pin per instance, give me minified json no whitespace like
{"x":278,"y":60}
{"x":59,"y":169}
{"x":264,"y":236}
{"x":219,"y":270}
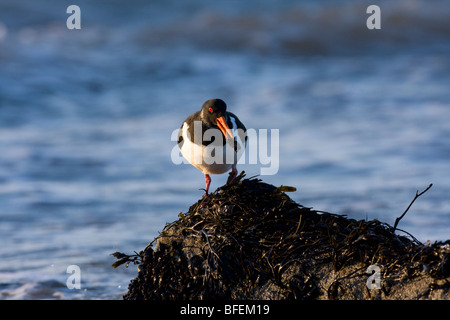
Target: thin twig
{"x":417,"y":195}
{"x":298,"y":225}
{"x":209,"y":245}
{"x":411,"y":236}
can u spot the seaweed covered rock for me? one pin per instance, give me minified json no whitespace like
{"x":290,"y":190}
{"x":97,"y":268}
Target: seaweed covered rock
{"x":249,"y":240}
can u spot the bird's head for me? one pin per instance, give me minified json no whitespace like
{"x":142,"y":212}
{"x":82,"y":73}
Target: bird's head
{"x":214,"y":112}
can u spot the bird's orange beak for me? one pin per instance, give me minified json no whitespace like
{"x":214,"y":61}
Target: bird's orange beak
{"x":221,"y":123}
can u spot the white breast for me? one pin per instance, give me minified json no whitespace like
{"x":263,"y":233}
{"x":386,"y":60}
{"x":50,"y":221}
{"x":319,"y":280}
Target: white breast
{"x":209,"y":159}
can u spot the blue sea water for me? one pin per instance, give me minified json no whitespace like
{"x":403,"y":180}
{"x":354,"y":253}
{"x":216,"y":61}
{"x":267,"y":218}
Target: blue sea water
{"x":86,"y":118}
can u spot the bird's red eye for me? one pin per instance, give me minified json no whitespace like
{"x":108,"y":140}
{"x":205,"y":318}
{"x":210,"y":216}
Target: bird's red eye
{"x":210,"y":109}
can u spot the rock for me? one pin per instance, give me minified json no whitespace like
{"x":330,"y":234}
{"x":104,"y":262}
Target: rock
{"x":249,"y":240}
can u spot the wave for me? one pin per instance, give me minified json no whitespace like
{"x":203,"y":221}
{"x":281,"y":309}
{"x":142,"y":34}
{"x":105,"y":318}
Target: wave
{"x":311,"y":27}
{"x":318,"y":28}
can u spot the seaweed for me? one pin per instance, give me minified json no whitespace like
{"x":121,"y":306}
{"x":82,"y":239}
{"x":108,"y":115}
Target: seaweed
{"x":126,"y":258}
{"x":250,"y":240}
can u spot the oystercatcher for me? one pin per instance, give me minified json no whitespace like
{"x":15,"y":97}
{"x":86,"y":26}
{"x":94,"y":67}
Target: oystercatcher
{"x":213,"y":140}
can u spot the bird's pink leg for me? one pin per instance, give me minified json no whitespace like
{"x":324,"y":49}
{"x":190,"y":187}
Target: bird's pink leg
{"x":233,"y":174}
{"x":207,"y":182}
{"x":234,"y":171}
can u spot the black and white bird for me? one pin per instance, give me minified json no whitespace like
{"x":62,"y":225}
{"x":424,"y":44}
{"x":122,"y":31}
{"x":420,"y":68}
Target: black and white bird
{"x":213,"y":140}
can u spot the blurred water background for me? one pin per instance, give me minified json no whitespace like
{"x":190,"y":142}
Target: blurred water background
{"x":86,"y":118}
